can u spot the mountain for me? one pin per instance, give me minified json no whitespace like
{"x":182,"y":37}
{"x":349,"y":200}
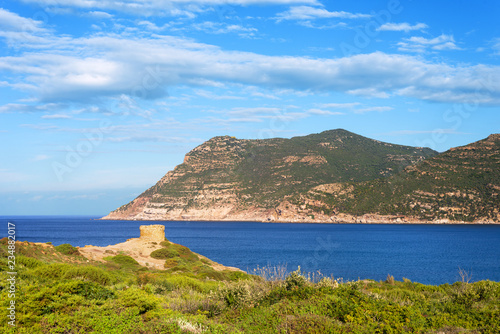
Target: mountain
{"x":271,"y":179}
{"x":462,"y":184}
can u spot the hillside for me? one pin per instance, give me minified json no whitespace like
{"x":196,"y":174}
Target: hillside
{"x":462,"y":184}
{"x":235,"y":179}
{"x":65,"y":289}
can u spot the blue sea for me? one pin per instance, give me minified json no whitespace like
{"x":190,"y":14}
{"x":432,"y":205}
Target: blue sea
{"x":429,"y":254}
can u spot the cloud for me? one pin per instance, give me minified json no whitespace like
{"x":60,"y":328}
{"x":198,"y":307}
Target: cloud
{"x":224,"y":28}
{"x":12,"y":22}
{"x":306,"y":13}
{"x":322,"y":112}
{"x":496,"y":45}
{"x":26,"y":108}
{"x":209,"y":95}
{"x":406,"y":27}
{"x":340,"y":105}
{"x":355,"y":107}
{"x":422,"y":44}
{"x":101,"y":67}
{"x":56,"y":116}
{"x":99,"y":15}
{"x":185,"y":8}
{"x":368,"y":109}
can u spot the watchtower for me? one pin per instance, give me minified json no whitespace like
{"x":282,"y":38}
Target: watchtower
{"x":153,"y":232}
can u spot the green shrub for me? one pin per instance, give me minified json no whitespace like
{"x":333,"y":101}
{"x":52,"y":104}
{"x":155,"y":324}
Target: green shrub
{"x":123,"y":260}
{"x":88,"y":290}
{"x":67,"y":249}
{"x":28,"y":262}
{"x":295,"y":280}
{"x":51,"y":271}
{"x":170,"y":263}
{"x":89,"y":273}
{"x":164,"y":253}
{"x":134,"y":297}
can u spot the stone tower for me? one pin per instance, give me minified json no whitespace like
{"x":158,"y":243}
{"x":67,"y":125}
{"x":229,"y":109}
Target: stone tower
{"x":152,"y":232}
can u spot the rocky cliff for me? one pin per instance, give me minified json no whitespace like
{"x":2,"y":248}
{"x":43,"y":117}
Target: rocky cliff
{"x":271,"y":180}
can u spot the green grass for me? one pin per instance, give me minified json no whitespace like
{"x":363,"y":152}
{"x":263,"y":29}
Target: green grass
{"x":80,"y":297}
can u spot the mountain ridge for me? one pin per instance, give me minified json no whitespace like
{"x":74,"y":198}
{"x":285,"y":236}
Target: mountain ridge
{"x":324,"y":177}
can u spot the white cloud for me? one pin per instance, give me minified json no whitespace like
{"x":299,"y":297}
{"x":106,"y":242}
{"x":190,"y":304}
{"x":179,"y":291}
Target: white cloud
{"x":355,"y":107}
{"x":496,"y":45}
{"x":99,"y":14}
{"x":160,"y":7}
{"x":422,"y":44}
{"x":368,"y":109}
{"x":12,"y":22}
{"x":109,"y":66}
{"x":406,"y":27}
{"x":224,"y":28}
{"x":209,"y":95}
{"x":306,"y":13}
{"x":56,"y":116}
{"x":340,"y":105}
{"x":322,"y":112}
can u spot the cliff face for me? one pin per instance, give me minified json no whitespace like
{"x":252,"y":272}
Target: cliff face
{"x":268,"y":180}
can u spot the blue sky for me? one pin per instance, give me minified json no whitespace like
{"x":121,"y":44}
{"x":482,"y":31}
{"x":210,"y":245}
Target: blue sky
{"x":99,"y":99}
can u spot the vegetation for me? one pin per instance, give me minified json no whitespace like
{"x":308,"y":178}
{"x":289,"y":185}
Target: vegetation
{"x":461,"y":184}
{"x":66,"y":294}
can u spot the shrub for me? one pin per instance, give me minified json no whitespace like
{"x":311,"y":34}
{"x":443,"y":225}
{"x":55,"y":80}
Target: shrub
{"x":327,"y":282}
{"x":295,"y":280}
{"x":239,"y":294}
{"x":67,"y":249}
{"x":52,"y":271}
{"x":88,"y":290}
{"x":389,"y":279}
{"x":123,"y":260}
{"x":164,"y":253}
{"x":90,"y":273}
{"x":29,"y":262}
{"x":170,"y":263}
{"x":134,"y":297}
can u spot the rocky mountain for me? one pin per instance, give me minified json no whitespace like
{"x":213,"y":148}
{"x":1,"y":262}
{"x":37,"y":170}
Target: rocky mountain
{"x":308,"y":178}
{"x":462,"y":184}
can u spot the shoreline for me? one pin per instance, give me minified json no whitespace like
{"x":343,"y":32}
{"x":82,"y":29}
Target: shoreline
{"x":421,"y":222}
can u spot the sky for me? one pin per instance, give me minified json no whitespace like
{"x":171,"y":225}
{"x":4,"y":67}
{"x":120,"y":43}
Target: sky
{"x":99,"y":99}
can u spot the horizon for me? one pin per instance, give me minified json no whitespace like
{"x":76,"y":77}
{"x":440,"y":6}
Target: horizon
{"x":99,"y":100}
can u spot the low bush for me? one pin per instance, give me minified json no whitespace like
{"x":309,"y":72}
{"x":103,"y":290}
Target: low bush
{"x":164,"y":253}
{"x":124,"y":261}
{"x":89,"y":273}
{"x":28,"y":262}
{"x":295,"y":280}
{"x":134,"y":297}
{"x":67,"y":249}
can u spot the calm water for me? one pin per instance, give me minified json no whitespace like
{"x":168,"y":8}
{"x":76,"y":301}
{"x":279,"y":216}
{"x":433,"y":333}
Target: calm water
{"x":430,"y":254}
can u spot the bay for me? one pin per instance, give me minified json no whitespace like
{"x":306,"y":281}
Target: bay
{"x":429,"y":254}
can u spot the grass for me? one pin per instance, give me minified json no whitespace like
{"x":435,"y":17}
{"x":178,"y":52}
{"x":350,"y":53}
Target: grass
{"x":63,"y":295}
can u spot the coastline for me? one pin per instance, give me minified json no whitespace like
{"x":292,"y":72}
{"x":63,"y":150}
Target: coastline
{"x":359,"y":220}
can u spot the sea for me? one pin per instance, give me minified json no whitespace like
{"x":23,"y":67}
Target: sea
{"x":429,"y":254}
